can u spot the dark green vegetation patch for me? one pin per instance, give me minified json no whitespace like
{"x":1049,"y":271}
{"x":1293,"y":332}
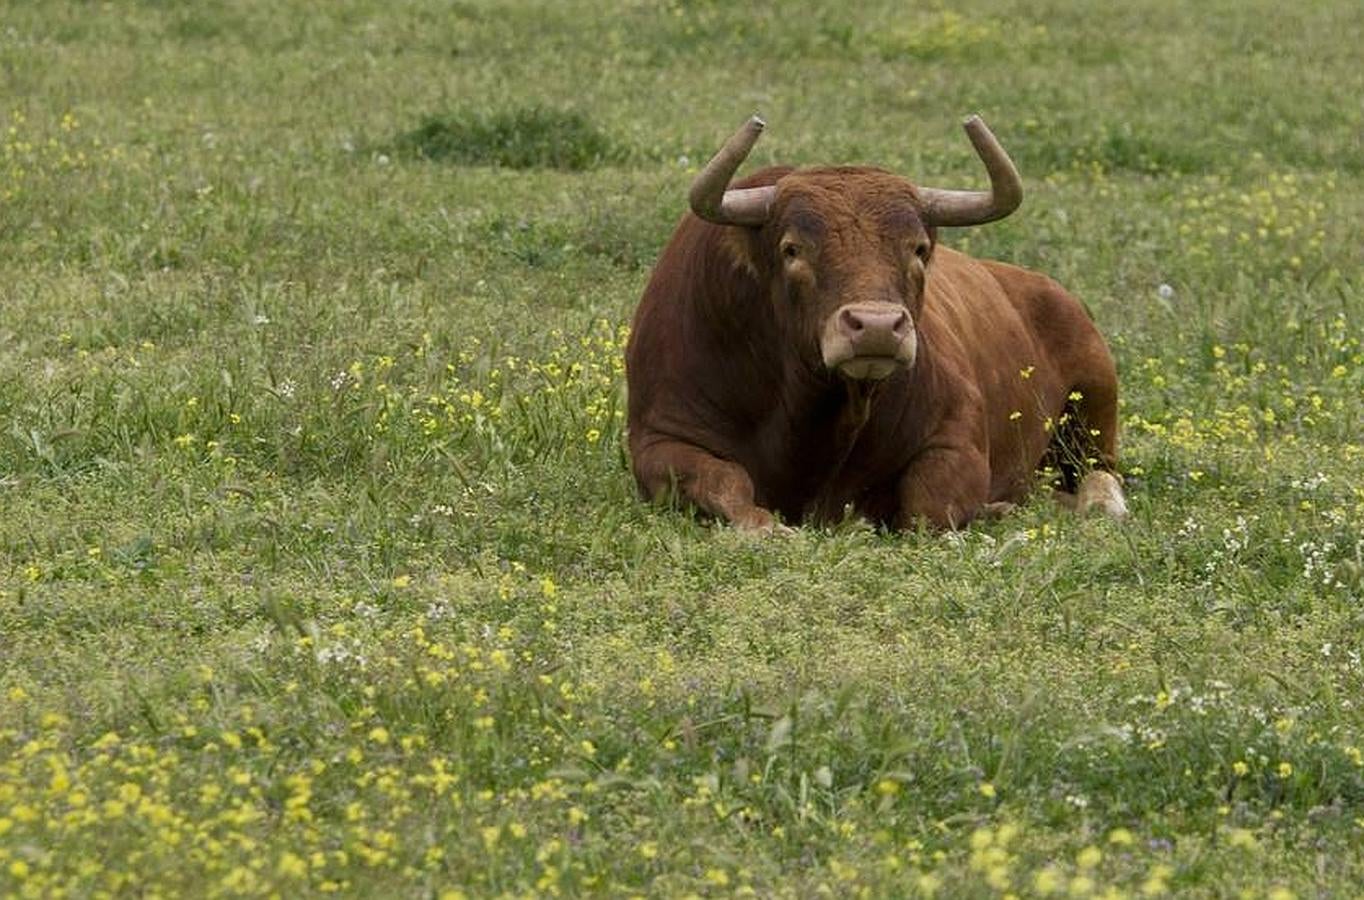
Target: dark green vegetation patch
{"x":526,"y":138}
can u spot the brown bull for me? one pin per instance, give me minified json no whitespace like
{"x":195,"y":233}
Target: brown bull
{"x":806,"y":347}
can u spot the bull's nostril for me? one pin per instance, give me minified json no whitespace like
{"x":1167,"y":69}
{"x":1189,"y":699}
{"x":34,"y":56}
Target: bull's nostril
{"x":851,"y":321}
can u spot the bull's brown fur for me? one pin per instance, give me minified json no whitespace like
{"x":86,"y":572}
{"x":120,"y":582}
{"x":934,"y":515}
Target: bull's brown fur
{"x":731,"y":408}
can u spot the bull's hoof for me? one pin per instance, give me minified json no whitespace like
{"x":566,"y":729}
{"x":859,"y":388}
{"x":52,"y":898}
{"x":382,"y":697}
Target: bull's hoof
{"x":759,"y":521}
{"x":997,"y":510}
{"x":1101,"y":492}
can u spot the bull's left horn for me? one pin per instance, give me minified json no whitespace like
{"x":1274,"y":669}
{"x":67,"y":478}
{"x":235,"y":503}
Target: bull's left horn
{"x":711,"y":198}
{"x":941,"y":207}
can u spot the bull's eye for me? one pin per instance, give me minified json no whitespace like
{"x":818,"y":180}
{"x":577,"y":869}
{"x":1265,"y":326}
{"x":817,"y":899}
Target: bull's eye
{"x":790,"y":250}
{"x":922,"y":251}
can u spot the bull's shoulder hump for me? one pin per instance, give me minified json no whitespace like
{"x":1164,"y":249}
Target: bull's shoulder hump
{"x":1035,"y":291}
{"x":1018,"y":280}
{"x":955,"y":277}
{"x":1029,"y":288}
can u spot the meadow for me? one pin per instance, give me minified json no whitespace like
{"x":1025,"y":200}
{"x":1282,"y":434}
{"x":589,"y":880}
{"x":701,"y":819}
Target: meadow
{"x":322,"y":570}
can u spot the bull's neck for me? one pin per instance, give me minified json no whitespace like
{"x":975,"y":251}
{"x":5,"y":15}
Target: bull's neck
{"x":848,"y":428}
{"x":745,"y":343}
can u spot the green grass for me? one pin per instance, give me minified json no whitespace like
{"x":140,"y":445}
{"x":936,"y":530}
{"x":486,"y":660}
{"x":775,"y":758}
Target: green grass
{"x":322,"y":570}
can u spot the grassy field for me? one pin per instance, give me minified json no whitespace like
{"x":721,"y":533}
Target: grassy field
{"x":322,"y":570}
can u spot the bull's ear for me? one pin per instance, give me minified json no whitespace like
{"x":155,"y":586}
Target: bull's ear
{"x":741,"y":246}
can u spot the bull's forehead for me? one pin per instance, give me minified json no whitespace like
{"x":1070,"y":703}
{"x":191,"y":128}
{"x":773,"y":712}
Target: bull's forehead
{"x":836,"y":195}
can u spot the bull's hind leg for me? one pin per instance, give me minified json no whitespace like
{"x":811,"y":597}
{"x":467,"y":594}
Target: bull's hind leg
{"x":1084,"y":451}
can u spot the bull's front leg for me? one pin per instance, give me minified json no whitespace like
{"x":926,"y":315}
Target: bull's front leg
{"x":946,"y":486}
{"x":670,"y":468}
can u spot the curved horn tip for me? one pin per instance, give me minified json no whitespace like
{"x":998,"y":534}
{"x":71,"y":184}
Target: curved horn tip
{"x":958,"y":208}
{"x":974,"y":125}
{"x":753,"y":128}
{"x":742,"y":141}
{"x":710,"y":195}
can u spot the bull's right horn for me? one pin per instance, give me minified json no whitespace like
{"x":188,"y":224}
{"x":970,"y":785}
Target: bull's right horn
{"x":711,"y":197}
{"x":943,"y":207}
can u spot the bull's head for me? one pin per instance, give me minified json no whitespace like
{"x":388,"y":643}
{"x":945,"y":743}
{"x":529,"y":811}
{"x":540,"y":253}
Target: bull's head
{"x":849,"y":249}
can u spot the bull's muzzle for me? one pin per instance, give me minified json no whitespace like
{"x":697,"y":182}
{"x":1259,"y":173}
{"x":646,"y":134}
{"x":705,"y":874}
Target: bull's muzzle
{"x":869,"y":340}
